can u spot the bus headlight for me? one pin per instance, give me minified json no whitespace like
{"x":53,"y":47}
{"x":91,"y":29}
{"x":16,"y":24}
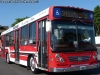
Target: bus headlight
{"x":57,"y":55}
{"x":62,"y":60}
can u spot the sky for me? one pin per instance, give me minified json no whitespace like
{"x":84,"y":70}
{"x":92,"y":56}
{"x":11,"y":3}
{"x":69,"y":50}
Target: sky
{"x":10,"y":11}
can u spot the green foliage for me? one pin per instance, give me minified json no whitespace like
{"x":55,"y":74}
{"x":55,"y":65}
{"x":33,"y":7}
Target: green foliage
{"x":18,"y":20}
{"x":97,"y":20}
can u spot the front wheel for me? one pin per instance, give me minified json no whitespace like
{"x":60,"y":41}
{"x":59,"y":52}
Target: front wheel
{"x":33,"y":66}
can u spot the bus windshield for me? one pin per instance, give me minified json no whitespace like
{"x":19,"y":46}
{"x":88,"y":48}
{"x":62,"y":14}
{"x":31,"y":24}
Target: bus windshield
{"x":72,"y":36}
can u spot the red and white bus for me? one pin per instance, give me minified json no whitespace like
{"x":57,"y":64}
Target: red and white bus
{"x":58,"y":39}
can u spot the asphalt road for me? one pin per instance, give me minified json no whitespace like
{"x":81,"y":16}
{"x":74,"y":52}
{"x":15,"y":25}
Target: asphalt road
{"x":14,"y":69}
{"x":98,"y":53}
{"x":98,"y":50}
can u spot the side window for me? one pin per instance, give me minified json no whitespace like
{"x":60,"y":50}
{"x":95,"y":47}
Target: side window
{"x":24,"y":35}
{"x":7,"y":39}
{"x":11,"y":38}
{"x":32,"y":33}
{"x":3,"y":41}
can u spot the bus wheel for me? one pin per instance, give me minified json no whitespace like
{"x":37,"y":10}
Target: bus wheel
{"x":7,"y":58}
{"x":33,"y":66}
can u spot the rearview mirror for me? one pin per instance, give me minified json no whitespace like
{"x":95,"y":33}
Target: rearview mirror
{"x":48,"y":26}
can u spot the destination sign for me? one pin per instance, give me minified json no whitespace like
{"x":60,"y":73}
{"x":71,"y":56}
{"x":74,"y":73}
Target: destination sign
{"x":72,"y":13}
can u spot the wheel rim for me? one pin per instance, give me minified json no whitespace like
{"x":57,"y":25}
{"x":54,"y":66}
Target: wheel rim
{"x":32,"y":64}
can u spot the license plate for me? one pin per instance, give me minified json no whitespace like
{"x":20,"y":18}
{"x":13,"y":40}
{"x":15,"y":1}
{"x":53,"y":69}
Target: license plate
{"x":82,"y":67}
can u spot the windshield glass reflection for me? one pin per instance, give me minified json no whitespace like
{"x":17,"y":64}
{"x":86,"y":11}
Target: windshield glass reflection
{"x":68,"y":35}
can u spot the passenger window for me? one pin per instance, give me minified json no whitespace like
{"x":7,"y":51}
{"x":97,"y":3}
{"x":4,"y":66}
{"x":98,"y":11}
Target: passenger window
{"x":24,"y":35}
{"x":32,"y":33}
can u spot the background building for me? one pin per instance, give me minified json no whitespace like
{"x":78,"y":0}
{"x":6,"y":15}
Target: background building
{"x":2,"y":28}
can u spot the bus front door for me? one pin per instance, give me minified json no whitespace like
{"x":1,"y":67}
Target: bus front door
{"x":17,"y":45}
{"x":42,"y":49}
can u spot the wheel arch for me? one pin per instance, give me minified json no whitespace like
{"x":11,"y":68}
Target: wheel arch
{"x":28,"y":61}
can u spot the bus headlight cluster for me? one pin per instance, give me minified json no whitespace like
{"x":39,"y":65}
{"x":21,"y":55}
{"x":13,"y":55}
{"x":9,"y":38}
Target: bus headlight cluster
{"x":57,"y":56}
{"x":61,"y":59}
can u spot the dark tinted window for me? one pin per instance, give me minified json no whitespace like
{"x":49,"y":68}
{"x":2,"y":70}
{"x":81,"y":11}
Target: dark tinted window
{"x":7,"y":39}
{"x":24,"y":35}
{"x":32,"y":33}
{"x":11,"y":38}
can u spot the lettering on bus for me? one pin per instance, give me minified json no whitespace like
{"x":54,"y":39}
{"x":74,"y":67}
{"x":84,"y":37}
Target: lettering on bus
{"x":74,"y":13}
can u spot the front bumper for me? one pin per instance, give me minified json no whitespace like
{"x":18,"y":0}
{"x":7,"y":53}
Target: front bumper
{"x":77,"y":68}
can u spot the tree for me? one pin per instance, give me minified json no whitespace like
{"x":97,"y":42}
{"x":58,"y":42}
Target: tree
{"x":97,"y":20}
{"x":18,"y":20}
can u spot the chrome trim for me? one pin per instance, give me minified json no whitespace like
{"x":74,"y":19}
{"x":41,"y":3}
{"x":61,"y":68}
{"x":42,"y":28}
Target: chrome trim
{"x":76,"y":68}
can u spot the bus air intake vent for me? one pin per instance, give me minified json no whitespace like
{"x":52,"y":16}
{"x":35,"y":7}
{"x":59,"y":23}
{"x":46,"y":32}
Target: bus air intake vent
{"x":78,"y":58}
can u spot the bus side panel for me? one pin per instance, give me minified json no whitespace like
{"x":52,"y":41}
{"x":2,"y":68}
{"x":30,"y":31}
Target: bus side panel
{"x":23,"y":59}
{"x":31,"y":48}
{"x":22,"y":48}
{"x":28,"y":49}
{"x":12,"y":49}
{"x":24,"y":52}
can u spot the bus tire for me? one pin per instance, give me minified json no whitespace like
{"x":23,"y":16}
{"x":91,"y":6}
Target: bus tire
{"x":33,"y":66}
{"x":8,"y":58}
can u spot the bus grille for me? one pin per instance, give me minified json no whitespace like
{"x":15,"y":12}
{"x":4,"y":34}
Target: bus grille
{"x":78,"y":58}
